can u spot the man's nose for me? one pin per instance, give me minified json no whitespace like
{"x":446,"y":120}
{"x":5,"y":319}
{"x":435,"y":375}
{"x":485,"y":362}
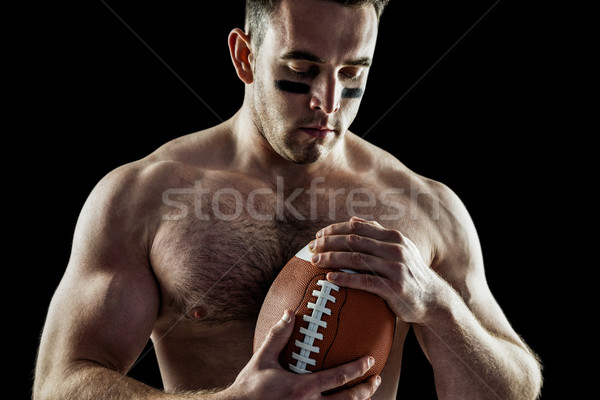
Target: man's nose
{"x":326,"y":96}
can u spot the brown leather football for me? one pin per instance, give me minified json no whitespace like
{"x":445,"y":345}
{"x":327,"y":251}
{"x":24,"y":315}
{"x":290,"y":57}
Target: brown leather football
{"x":333,"y":325}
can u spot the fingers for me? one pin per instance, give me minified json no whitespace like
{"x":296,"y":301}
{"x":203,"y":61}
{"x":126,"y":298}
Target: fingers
{"x":357,"y":235}
{"x":361,"y":227}
{"x":278,"y":337}
{"x":336,"y":377}
{"x":312,"y":385}
{"x":361,"y":391}
{"x":357,"y":253}
{"x":361,"y":246}
{"x":371,"y":283}
{"x":354,"y":259}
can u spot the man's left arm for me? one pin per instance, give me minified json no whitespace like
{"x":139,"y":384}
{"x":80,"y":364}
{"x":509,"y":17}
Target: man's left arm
{"x":474,"y":352}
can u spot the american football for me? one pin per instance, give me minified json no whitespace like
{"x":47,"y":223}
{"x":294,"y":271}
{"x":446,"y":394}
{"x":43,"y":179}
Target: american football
{"x":333,"y":325}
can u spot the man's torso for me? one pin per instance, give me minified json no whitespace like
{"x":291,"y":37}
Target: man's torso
{"x":222,"y":236}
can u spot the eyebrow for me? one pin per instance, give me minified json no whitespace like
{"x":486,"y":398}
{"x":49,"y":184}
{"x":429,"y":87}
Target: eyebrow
{"x":307,"y":56}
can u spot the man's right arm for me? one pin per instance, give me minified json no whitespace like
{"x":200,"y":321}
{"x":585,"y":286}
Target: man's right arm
{"x":103,"y":311}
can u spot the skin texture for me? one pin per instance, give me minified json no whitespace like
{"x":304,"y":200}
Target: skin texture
{"x":182,"y":245}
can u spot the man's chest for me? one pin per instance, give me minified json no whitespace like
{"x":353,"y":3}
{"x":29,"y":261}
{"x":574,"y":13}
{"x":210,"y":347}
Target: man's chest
{"x":221,"y":245}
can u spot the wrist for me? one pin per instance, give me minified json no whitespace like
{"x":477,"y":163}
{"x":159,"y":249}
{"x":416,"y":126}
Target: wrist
{"x":225,"y":394}
{"x":444,"y":303}
{"x":203,"y":395}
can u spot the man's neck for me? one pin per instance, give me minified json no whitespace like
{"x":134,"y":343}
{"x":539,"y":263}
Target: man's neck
{"x":255,"y":155}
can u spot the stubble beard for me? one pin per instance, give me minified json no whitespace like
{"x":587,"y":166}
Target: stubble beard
{"x":284,"y":140}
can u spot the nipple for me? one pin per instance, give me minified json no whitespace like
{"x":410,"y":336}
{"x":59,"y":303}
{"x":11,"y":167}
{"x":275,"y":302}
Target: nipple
{"x":197,"y":313}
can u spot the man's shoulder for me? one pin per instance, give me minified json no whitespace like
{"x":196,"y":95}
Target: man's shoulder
{"x":203,"y":148}
{"x":393,"y":172}
{"x":428,"y":199}
{"x":126,"y":191}
{"x":432,"y":211}
{"x":173,"y":163}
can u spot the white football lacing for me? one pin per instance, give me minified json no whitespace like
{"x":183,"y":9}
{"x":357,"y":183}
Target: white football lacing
{"x":314,"y":322}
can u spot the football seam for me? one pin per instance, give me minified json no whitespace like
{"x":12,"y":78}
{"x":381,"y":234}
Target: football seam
{"x":301,"y":302}
{"x":337,"y":326}
{"x":319,"y":307}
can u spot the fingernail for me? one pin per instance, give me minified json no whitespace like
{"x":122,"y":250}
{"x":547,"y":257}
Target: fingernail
{"x":378,"y":380}
{"x":320,"y":233}
{"x":332,"y":276}
{"x":312,"y":245}
{"x":371,"y":361}
{"x":286,"y":317}
{"x":315,"y":259}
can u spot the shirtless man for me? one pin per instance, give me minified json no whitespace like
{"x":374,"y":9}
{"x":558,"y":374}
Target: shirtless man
{"x":183,"y":245}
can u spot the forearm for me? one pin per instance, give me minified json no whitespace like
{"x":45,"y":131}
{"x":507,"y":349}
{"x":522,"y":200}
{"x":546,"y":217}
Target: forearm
{"x":471,"y":363}
{"x":95,"y":382}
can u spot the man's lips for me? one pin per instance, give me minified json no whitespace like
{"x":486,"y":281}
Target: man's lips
{"x":318,"y":132}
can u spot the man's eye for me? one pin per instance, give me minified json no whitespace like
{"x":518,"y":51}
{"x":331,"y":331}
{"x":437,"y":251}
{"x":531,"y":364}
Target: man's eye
{"x":351,"y":74}
{"x":303,"y":73}
{"x":300,"y":74}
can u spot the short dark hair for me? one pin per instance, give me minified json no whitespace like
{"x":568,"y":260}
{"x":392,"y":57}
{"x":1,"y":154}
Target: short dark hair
{"x":258,"y":12}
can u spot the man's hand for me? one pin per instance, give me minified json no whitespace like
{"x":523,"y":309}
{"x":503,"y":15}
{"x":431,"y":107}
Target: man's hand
{"x":391,"y":264}
{"x":264,"y":378}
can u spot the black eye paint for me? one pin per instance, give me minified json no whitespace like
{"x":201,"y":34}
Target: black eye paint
{"x":292,"y":87}
{"x":348,"y":93}
{"x":303,"y":88}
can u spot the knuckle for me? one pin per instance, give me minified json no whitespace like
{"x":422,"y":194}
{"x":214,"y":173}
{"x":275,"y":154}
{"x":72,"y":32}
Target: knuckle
{"x":367,"y":281}
{"x":373,"y":386}
{"x":379,"y":285}
{"x":341,"y":378}
{"x":399,"y":287}
{"x":325,"y":259}
{"x":397,"y":252}
{"x":355,"y":226}
{"x":275,"y":332}
{"x":354,"y":238}
{"x":365,"y":366}
{"x":321,"y":242}
{"x":396,"y":236}
{"x":357,"y":258}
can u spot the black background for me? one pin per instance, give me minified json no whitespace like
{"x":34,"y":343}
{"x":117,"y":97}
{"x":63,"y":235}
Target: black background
{"x":473,"y":102}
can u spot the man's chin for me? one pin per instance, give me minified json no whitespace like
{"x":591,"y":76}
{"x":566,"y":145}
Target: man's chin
{"x":312,"y":154}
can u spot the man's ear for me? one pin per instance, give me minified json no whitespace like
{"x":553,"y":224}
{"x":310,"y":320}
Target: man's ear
{"x":241,"y":54}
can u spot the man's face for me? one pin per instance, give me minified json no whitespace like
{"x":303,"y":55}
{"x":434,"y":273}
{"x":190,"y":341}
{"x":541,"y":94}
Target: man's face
{"x":309,"y":75}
